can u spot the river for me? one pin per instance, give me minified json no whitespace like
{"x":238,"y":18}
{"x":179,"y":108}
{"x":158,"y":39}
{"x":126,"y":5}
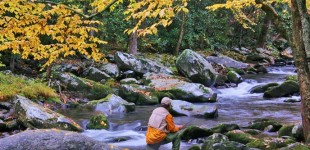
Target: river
{"x":236,"y":105}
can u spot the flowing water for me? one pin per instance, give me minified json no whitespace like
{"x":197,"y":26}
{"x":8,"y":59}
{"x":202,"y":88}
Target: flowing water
{"x":236,"y":105}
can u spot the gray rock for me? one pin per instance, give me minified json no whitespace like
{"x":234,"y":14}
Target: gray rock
{"x":138,"y":94}
{"x":188,"y":109}
{"x":113,"y":104}
{"x":180,"y":89}
{"x":129,"y":81}
{"x":227,"y":62}
{"x":51,"y":140}
{"x":128,"y":62}
{"x":110,"y":69}
{"x":33,"y":115}
{"x":95,"y":74}
{"x":193,"y":66}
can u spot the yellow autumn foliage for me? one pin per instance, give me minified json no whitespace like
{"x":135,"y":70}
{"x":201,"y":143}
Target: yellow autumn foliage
{"x":237,"y":6}
{"x":23,"y":23}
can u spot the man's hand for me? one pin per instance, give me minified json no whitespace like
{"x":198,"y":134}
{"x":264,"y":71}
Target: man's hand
{"x":180,"y":126}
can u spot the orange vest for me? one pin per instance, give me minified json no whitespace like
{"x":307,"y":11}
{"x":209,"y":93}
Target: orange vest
{"x":160,"y":123}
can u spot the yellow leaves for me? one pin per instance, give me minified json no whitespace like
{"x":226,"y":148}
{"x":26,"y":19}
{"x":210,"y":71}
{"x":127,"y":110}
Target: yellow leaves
{"x":162,"y":11}
{"x":64,"y":33}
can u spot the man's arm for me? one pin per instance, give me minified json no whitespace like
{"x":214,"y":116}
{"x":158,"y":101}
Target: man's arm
{"x":171,"y":127}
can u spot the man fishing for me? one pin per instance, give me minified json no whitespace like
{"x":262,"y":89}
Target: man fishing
{"x":161,"y":128}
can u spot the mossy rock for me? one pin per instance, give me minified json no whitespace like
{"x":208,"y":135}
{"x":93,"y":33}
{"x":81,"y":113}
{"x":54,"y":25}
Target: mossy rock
{"x":278,"y":143}
{"x":292,"y":77}
{"x":286,"y":130}
{"x":220,"y":80}
{"x":285,"y":89}
{"x":234,"y":77}
{"x":261,"y":124}
{"x":98,"y":122}
{"x":239,"y":136}
{"x":227,"y":145}
{"x":223,"y":128}
{"x":83,"y":87}
{"x":257,"y":143}
{"x":239,"y":71}
{"x":262,"y":88}
{"x":194,"y":132}
{"x":195,"y":147}
{"x":296,"y":146}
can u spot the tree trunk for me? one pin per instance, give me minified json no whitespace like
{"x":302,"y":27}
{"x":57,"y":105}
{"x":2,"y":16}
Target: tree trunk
{"x":12,"y":62}
{"x":48,"y":72}
{"x":300,"y":41}
{"x":263,"y":33}
{"x":279,"y":24}
{"x":181,"y":33}
{"x":133,"y":43}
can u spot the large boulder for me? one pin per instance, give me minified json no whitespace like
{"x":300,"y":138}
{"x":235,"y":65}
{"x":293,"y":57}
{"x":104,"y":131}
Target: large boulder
{"x":285,"y":89}
{"x":111,"y":69}
{"x":48,"y":139}
{"x":179,"y":88}
{"x":84,"y":87}
{"x":227,"y":62}
{"x":188,"y":109}
{"x":138,"y":94}
{"x":113,"y":104}
{"x":139,"y":65}
{"x":33,"y":115}
{"x":95,"y":74}
{"x":195,"y":67}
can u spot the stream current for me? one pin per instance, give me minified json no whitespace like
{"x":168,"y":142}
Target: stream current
{"x":236,"y":105}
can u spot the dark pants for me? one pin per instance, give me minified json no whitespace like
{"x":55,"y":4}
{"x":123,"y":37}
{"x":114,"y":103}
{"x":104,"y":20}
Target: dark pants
{"x":175,"y":138}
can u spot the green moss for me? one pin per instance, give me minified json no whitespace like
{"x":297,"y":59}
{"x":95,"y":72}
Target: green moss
{"x":239,"y":136}
{"x":195,"y":147}
{"x":286,"y":130}
{"x":263,"y":123}
{"x":223,"y":128}
{"x":194,"y":132}
{"x":98,"y":122}
{"x":292,"y":77}
{"x":257,"y":144}
{"x":11,"y":85}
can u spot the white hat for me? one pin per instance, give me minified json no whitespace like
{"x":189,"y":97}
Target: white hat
{"x":166,"y":101}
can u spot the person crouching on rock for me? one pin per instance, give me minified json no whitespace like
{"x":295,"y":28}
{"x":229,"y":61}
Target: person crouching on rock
{"x":161,"y":128}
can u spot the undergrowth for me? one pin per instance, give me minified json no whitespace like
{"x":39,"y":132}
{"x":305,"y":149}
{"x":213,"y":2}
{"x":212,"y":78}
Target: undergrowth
{"x":11,"y":85}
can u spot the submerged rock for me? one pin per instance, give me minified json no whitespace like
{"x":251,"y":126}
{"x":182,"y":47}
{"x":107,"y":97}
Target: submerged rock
{"x":193,"y":66}
{"x":33,"y":115}
{"x":48,"y":139}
